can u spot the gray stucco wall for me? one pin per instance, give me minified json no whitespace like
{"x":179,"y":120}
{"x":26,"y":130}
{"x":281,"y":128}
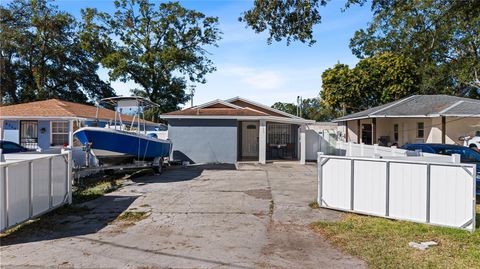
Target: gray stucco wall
{"x":203,"y":141}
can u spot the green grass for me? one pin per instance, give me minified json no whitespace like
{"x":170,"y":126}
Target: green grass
{"x":314,"y":205}
{"x":383,"y":243}
{"x":94,"y":191}
{"x":133,"y":216}
{"x":271,"y":207}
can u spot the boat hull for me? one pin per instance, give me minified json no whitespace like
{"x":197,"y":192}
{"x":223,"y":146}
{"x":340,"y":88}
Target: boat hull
{"x":115,"y":147}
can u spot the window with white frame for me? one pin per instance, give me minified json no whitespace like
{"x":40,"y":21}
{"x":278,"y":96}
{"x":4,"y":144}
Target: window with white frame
{"x":59,"y":133}
{"x":420,"y":130}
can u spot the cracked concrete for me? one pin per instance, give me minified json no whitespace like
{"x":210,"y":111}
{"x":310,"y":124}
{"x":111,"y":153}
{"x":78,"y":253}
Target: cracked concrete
{"x":199,"y":217}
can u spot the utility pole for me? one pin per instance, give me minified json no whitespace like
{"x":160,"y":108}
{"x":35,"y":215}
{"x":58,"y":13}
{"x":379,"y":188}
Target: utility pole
{"x":299,"y":106}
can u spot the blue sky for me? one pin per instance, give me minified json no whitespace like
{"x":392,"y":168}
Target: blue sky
{"x":247,"y":66}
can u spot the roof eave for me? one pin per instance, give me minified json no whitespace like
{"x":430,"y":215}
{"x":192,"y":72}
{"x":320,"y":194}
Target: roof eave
{"x":262,"y":106}
{"x":268,"y":118}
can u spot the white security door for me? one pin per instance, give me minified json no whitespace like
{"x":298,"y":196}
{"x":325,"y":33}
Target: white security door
{"x":249,"y":139}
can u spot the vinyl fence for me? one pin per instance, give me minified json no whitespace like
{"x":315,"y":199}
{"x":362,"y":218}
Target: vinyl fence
{"x":439,"y":193}
{"x":363,"y":150}
{"x":33,"y":184}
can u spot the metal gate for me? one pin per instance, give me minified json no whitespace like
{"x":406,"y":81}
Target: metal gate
{"x":29,"y":134}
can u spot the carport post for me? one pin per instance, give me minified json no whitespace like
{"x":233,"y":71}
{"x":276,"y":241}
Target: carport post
{"x":262,"y":142}
{"x":303,"y":147}
{"x":319,"y":178}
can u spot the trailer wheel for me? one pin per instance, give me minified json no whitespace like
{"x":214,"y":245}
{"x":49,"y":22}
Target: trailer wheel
{"x":158,"y":165}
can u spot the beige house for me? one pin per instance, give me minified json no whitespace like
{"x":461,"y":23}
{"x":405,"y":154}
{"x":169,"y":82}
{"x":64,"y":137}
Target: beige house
{"x":415,"y":119}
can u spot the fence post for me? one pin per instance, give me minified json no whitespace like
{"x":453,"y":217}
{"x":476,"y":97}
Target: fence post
{"x":427,"y":220}
{"x":30,"y":187}
{"x":5,"y":195}
{"x":50,"y":183}
{"x":456,"y":158}
{"x":362,"y":149}
{"x":387,"y":192}
{"x":349,"y":153}
{"x":319,"y":178}
{"x":70,"y":175}
{"x":375,"y":149}
{"x":352,"y":182}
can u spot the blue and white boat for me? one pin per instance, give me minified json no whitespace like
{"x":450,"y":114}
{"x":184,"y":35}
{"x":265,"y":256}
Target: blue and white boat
{"x":122,"y":142}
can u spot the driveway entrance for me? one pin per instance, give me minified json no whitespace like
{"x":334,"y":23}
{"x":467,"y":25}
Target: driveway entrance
{"x":197,"y":217}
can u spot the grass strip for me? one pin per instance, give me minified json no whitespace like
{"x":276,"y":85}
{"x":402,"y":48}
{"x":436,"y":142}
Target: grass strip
{"x":383,"y":243}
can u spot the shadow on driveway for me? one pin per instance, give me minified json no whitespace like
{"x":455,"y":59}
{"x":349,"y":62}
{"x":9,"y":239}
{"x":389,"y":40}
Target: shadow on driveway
{"x":70,"y":220}
{"x":181,"y":173}
{"x":92,"y":216}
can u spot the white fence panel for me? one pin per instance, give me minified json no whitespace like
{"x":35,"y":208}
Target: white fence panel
{"x":451,"y":192}
{"x":363,"y":150}
{"x":33,"y":184}
{"x":18,"y":189}
{"x":41,"y":185}
{"x":59,"y":184}
{"x":421,"y":191}
{"x":3,"y":201}
{"x":370,"y":187}
{"x":408,"y":191}
{"x":334,"y":194}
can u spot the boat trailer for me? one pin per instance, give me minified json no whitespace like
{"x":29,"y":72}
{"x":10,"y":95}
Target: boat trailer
{"x":158,"y":165}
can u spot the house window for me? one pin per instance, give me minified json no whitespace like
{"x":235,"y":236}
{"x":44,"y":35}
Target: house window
{"x":59,"y":135}
{"x":279,"y":133}
{"x":420,"y":130}
{"x":395,"y":132}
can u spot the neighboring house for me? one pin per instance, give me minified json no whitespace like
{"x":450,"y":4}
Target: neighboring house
{"x":49,"y":124}
{"x":234,"y":130}
{"x":415,"y":119}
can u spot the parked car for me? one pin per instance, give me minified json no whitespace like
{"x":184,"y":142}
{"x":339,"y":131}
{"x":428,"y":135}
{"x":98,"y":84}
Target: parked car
{"x":467,"y":155}
{"x":472,"y":142}
{"x":11,"y":147}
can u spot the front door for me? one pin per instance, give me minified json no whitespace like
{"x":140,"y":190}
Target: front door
{"x":29,"y":134}
{"x":249,"y":139}
{"x":367,"y":134}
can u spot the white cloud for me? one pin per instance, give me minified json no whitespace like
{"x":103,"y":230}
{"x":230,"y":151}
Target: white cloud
{"x":255,"y":78}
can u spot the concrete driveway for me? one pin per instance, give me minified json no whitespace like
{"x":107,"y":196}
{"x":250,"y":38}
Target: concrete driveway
{"x":198,"y":217}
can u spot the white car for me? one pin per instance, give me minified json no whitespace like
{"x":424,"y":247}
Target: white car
{"x":471,"y":142}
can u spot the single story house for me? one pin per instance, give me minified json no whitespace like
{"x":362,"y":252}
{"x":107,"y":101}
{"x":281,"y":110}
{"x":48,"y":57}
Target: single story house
{"x":50,"y":123}
{"x":415,"y":119}
{"x":237,"y":129}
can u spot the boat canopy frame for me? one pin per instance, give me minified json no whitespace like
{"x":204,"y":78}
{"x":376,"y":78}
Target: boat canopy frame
{"x":131,"y":101}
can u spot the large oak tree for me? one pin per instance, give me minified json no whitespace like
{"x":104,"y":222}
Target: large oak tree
{"x":442,"y":37}
{"x":161,"y":47}
{"x":41,"y":56}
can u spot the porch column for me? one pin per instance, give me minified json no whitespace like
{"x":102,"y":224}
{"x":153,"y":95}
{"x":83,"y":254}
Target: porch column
{"x":346,"y":131}
{"x":303,"y":146}
{"x":374,"y":131}
{"x":359,"y":132}
{"x":444,"y":129}
{"x":262,"y":142}
{"x":1,"y":129}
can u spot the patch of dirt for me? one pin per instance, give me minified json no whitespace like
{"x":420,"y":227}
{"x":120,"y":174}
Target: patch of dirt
{"x":264,"y":194}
